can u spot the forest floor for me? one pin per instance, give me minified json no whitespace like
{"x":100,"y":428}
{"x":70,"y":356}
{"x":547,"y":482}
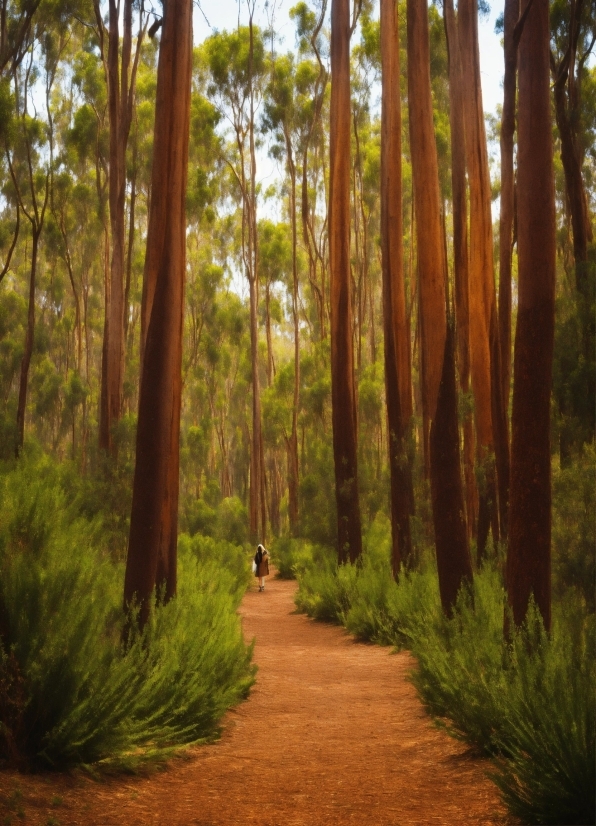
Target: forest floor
{"x":332,"y":733}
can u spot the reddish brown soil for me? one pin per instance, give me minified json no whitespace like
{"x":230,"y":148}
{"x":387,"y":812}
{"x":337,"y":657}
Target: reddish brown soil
{"x":332,"y":733}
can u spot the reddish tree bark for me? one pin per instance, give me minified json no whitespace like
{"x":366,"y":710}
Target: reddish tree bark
{"x":511,"y":15}
{"x":482,"y":298}
{"x":439,"y":395}
{"x":151,"y":560}
{"x":567,"y":86}
{"x":121,"y":89}
{"x":528,"y":560}
{"x":398,"y":389}
{"x":343,"y":398}
{"x":451,"y":534}
{"x":460,"y":253}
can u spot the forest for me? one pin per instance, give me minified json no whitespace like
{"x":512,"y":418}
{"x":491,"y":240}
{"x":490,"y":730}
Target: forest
{"x":299,"y":290}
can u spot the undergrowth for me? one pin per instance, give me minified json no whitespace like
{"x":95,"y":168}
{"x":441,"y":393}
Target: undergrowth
{"x":528,"y":703}
{"x":70,"y":693}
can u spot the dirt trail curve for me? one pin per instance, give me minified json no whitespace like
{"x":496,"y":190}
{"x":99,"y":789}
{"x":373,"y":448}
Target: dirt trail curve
{"x":331,"y":734}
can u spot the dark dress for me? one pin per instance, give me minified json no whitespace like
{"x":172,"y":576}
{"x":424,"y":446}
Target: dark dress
{"x":262,"y":563}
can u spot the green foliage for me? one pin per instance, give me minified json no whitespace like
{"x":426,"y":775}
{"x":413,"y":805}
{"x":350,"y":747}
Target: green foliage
{"x":70,"y":693}
{"x":574,"y":527}
{"x":294,"y":554}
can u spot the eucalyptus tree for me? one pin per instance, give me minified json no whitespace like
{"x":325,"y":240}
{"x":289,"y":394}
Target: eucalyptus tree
{"x":398,"y":382}
{"x":152,"y":549}
{"x":281,"y":118}
{"x":460,"y":251}
{"x":237,"y":66}
{"x":312,"y":81}
{"x":30,"y":165}
{"x":528,"y":559}
{"x":121,"y":71}
{"x":343,"y":397}
{"x":572,"y":42}
{"x":439,"y":395}
{"x":16,"y":23}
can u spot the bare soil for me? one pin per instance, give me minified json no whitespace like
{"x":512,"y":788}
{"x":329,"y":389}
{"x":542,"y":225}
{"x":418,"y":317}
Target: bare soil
{"x":332,"y":733}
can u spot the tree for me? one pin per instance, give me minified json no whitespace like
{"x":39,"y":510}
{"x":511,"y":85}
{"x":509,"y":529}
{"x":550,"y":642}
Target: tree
{"x":32,"y":179}
{"x":460,"y":251}
{"x":151,"y":560}
{"x":575,"y":35}
{"x":121,"y":81}
{"x":343,"y":399}
{"x":397,"y":334}
{"x":484,"y":350}
{"x":438,"y":390}
{"x":528,"y":559}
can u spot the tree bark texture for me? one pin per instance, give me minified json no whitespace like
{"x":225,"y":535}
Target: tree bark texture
{"x":482,"y":299}
{"x":451,"y":539}
{"x":121,"y":85}
{"x":460,"y":253}
{"x":398,"y":389}
{"x":151,"y":560}
{"x":432,"y":266}
{"x":567,"y":114}
{"x":343,"y":398}
{"x":511,"y":16}
{"x":528,"y":560}
{"x":293,"y":465}
{"x":451,"y":535}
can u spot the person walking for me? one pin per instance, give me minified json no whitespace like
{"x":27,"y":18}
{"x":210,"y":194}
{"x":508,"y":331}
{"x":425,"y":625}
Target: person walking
{"x":262,"y":565}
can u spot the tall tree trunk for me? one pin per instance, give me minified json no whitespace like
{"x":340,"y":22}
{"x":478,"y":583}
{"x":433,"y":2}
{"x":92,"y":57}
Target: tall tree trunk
{"x":454,"y":564}
{"x":482,"y":299}
{"x":293,"y":466}
{"x":439,"y":396}
{"x":28,"y":348}
{"x":343,"y":399}
{"x":398,"y":388}
{"x":511,"y":16}
{"x":151,"y":560}
{"x":121,"y":86}
{"x":567,"y":113}
{"x":528,"y":560}
{"x":460,"y":253}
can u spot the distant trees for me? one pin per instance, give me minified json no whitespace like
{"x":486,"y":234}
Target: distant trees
{"x":121,"y":68}
{"x":236,"y":63}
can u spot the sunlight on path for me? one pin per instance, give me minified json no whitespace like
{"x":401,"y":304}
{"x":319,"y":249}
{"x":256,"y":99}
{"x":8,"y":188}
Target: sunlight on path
{"x":331,"y":734}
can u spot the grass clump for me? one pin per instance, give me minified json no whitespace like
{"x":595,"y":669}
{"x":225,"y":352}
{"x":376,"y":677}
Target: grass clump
{"x":528,"y":702}
{"x":70,"y":694}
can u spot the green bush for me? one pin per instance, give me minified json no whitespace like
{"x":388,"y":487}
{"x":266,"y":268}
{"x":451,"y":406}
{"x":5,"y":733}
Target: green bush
{"x":291,"y":554}
{"x":530,"y":703}
{"x":69,"y":692}
{"x":574,"y":526}
{"x":548,"y":730}
{"x":217,"y":554}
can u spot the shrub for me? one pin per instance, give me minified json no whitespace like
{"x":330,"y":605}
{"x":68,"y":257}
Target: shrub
{"x":530,"y":703}
{"x":232,"y":521}
{"x":216,"y":554}
{"x":80,"y":696}
{"x":574,"y":526}
{"x":292,"y":554}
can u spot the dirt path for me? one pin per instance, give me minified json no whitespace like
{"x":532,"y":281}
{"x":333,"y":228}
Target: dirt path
{"x":331,"y":734}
